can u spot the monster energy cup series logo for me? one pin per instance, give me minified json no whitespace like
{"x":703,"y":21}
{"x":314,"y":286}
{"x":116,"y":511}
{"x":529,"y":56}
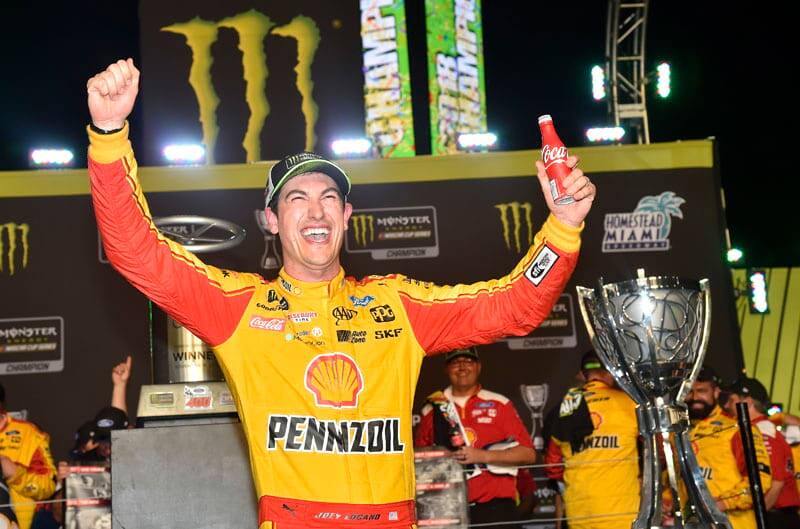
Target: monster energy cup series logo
{"x":252,"y":28}
{"x":516,"y":216}
{"x":646,"y":228}
{"x":394,"y":233}
{"x":13,"y":247}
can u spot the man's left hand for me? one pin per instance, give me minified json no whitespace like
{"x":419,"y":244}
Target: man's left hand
{"x":577,"y":185}
{"x":467,"y":455}
{"x":9,"y":467}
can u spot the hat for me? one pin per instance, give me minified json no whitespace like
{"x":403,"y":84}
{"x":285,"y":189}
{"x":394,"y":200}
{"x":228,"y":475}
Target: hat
{"x":590,"y":360}
{"x":750,"y":387}
{"x":707,"y":374}
{"x":301,"y":163}
{"x":108,"y":419}
{"x":469,"y":353}
{"x":86,"y":432}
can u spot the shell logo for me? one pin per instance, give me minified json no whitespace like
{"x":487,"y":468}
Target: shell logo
{"x":335,"y":380}
{"x":472,"y":436}
{"x":597,"y":419}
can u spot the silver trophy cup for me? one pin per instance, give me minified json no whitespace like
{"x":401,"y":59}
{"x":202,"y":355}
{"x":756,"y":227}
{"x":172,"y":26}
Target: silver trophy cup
{"x":535,"y":397}
{"x":651,"y":333}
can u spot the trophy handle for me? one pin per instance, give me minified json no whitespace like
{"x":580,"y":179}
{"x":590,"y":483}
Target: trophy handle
{"x":705,"y":288}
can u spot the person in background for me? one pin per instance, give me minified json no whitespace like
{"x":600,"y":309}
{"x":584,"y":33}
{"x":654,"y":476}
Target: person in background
{"x":782,"y":499}
{"x":497,"y":440}
{"x":718,"y":446}
{"x":27,"y":467}
{"x":594,"y":451}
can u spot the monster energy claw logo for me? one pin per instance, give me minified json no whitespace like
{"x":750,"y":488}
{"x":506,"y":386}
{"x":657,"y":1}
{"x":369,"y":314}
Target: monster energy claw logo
{"x":363,"y":229}
{"x":511,"y":218}
{"x":13,"y":246}
{"x":251,"y":27}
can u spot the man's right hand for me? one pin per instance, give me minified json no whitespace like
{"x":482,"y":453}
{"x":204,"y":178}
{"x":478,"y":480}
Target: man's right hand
{"x":112,"y":93}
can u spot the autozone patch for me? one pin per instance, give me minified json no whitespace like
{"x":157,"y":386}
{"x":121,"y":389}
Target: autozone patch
{"x":541,"y":265}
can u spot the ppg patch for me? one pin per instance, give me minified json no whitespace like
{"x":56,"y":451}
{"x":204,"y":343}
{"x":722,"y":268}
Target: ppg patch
{"x":541,"y":265}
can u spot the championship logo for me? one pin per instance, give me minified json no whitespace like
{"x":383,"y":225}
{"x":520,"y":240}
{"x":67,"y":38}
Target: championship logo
{"x":13,"y":247}
{"x":557,"y":331}
{"x":646,"y":228}
{"x":31,"y":345}
{"x":514,"y":216}
{"x":394,"y":233}
{"x":252,"y":27}
{"x":335,"y":380}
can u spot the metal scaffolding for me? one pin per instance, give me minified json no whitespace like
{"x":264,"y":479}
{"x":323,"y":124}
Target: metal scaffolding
{"x":625,"y":68}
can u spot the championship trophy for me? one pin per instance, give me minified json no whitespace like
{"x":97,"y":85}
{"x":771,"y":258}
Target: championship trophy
{"x":535,"y":397}
{"x":268,"y":261}
{"x":651,"y":333}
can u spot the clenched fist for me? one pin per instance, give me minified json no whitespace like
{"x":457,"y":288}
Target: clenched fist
{"x":112,"y":93}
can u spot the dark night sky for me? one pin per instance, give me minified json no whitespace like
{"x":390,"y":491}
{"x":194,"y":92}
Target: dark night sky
{"x":731,"y":69}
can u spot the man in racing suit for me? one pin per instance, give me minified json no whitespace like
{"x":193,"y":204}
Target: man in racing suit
{"x":718,"y":446}
{"x":593,"y":451}
{"x":26,"y":464}
{"x":322,"y":367}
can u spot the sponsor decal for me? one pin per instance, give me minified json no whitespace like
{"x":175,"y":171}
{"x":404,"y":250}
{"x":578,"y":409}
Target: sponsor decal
{"x":197,"y":398}
{"x":541,"y":266}
{"x":345,"y":336}
{"x":387,"y":333}
{"x":274,"y":302}
{"x":252,"y":28}
{"x":285,"y":284}
{"x":382,"y":313}
{"x":302,"y":433}
{"x":514,"y":216}
{"x":335,"y":380}
{"x":394,"y":233}
{"x":476,"y":413}
{"x":302,"y":317}
{"x":415,"y":282}
{"x":266,"y":324}
{"x":361,"y":302}
{"x":342,"y":313}
{"x":557,"y":331}
{"x":485,"y":405}
{"x":105,"y":423}
{"x":601,"y":441}
{"x":570,"y":403}
{"x":14,"y":248}
{"x":484,"y":420}
{"x":646,"y":228}
{"x":31,"y":345}
{"x":492,"y":412}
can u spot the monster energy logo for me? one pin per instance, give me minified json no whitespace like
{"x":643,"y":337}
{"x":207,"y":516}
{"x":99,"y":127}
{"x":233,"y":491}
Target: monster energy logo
{"x":252,"y":27}
{"x":363,"y":229}
{"x":511,"y":218}
{"x":13,"y":242}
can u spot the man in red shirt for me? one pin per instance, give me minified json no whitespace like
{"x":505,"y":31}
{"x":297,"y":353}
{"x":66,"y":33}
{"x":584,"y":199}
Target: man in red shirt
{"x":782,"y":499}
{"x":496,"y":440}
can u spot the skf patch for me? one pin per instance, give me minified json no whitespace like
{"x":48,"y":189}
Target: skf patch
{"x":541,"y":265}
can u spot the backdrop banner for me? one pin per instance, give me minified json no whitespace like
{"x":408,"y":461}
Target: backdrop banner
{"x":67,"y":317}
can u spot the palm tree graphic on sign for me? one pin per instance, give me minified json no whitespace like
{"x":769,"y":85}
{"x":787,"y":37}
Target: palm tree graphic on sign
{"x":666,"y":203}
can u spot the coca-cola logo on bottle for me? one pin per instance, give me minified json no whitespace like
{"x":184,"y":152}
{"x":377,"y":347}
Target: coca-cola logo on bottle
{"x":552,"y":154}
{"x":267,"y":324}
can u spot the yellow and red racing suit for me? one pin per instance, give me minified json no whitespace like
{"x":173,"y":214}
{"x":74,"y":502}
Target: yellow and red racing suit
{"x":323,"y":374}
{"x":718,"y":446}
{"x":601,"y":485}
{"x":28,"y":447}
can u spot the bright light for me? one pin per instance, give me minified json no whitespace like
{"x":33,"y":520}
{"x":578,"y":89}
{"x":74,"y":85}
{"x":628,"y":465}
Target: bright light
{"x":351,"y":147}
{"x":664,"y":85}
{"x":482,"y":140}
{"x":598,"y":83}
{"x":600,"y":134}
{"x":758,"y":292}
{"x":735,"y":255}
{"x":185,"y":154}
{"x":51,"y":157}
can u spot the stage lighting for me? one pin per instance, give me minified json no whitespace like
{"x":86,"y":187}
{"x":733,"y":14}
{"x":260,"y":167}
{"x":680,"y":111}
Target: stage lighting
{"x":185,"y":154}
{"x":477,"y":141}
{"x":353,"y":147}
{"x":42,"y":158}
{"x":598,"y":83}
{"x":604,"y":134}
{"x":757,"y":286}
{"x":734,"y":255}
{"x":664,"y":83}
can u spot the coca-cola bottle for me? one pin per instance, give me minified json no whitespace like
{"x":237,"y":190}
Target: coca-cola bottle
{"x":554,"y":157}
